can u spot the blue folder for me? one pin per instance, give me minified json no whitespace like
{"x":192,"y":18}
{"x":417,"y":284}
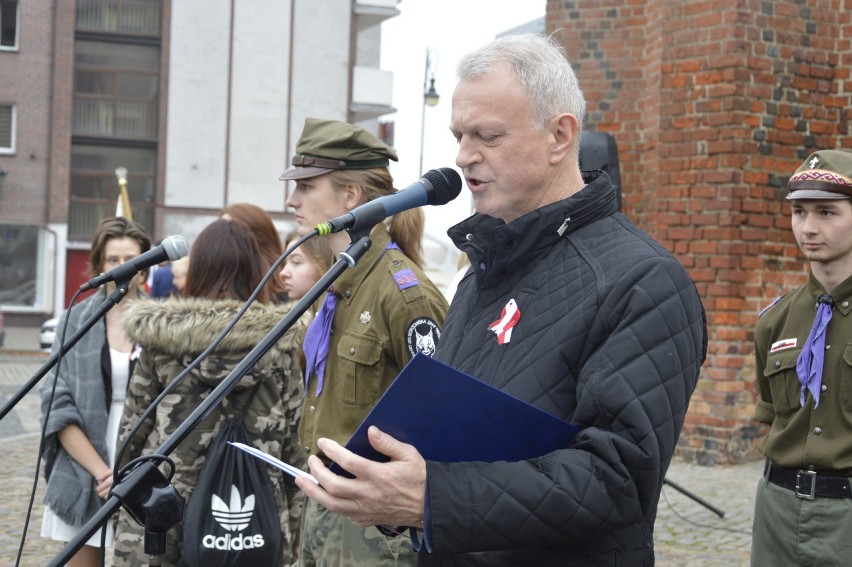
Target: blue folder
{"x":452,"y":417}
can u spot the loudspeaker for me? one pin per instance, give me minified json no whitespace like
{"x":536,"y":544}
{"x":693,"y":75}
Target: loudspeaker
{"x":599,"y":151}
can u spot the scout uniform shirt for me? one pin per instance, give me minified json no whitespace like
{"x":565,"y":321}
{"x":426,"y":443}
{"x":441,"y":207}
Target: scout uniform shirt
{"x":804,"y":437}
{"x":387,"y":311}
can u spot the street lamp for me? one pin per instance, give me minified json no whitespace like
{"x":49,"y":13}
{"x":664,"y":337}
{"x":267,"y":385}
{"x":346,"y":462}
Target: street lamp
{"x":430,"y":97}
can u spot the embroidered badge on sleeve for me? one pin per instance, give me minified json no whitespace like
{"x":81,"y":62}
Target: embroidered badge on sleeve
{"x":422,"y":336}
{"x":406,"y":278}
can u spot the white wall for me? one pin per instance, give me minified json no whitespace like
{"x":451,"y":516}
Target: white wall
{"x":320,"y":78}
{"x":227,"y":103}
{"x":258,"y":141}
{"x":190,"y":226}
{"x":231,"y":98}
{"x":197,"y":103}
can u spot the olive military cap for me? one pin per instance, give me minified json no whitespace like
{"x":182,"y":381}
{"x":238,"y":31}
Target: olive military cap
{"x":826,"y":174}
{"x":329,"y":145}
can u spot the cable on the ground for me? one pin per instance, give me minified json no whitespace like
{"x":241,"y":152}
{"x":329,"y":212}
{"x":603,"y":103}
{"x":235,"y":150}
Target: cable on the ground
{"x":697,"y":524}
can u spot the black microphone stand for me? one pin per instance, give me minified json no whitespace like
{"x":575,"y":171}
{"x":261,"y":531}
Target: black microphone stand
{"x":144,"y":491}
{"x":109,"y":303}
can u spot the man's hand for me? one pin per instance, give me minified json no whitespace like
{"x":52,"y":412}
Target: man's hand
{"x":381,"y":493}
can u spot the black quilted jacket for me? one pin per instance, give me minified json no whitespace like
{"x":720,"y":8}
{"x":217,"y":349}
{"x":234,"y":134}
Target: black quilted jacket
{"x":611,"y":337}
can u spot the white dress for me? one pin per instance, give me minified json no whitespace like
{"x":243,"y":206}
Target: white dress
{"x":52,"y":526}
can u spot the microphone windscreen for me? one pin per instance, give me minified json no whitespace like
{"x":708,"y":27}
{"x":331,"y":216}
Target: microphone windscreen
{"x":175,"y":247}
{"x":446,"y":183}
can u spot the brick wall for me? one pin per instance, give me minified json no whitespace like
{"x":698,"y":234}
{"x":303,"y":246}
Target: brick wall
{"x":63,"y":98}
{"x":25,"y":83}
{"x":713,"y":105}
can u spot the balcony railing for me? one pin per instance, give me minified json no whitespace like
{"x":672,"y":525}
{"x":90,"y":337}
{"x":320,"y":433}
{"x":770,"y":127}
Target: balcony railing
{"x":85,"y":214}
{"x":137,"y":17}
{"x":98,"y":117}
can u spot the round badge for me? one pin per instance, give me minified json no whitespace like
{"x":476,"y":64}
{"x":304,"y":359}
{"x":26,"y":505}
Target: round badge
{"x":422,"y":336}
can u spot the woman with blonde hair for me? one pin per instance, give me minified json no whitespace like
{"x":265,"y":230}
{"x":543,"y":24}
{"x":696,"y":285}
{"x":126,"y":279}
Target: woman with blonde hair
{"x":376,"y":317}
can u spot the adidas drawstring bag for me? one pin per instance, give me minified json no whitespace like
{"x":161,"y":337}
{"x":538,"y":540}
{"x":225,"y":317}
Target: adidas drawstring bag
{"x":231,"y":518}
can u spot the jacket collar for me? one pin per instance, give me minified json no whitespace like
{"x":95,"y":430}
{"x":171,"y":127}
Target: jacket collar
{"x":351,"y":279}
{"x":488,"y":240}
{"x":842,"y":294}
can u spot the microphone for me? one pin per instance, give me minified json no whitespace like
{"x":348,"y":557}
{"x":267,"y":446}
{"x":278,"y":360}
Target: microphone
{"x":172,"y":248}
{"x":436,"y":187}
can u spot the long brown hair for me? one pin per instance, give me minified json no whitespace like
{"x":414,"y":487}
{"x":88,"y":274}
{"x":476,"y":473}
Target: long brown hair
{"x":266,"y":235}
{"x":109,"y":229}
{"x":406,"y":228}
{"x":225,"y":263}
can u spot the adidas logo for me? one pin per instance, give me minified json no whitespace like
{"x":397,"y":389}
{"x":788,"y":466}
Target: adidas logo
{"x":233,"y":516}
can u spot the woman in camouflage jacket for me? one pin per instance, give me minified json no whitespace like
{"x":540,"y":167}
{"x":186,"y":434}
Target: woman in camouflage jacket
{"x":172,"y":333}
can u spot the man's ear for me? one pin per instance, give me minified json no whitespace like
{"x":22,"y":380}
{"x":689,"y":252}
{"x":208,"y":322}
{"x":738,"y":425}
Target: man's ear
{"x":566,"y":131}
{"x":354,"y":196}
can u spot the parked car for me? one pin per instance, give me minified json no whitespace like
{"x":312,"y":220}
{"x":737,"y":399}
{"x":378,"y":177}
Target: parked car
{"x":48,"y":331}
{"x":2,"y":330}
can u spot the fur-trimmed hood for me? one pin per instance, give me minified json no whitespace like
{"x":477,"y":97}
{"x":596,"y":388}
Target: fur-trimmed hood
{"x":177,"y":330}
{"x":181,"y":326}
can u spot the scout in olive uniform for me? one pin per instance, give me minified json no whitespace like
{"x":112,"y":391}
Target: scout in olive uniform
{"x":803,"y":351}
{"x":379,"y":314}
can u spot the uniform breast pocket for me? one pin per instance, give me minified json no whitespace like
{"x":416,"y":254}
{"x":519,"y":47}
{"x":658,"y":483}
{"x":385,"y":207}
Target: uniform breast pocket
{"x":360,"y":376}
{"x":846,"y":379}
{"x":783,"y":381}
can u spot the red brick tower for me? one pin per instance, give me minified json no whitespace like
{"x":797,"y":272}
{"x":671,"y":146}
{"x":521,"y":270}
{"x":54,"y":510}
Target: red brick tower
{"x":713,"y":105}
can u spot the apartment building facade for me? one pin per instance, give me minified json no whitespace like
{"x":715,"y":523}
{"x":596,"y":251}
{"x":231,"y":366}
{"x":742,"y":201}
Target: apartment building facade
{"x":201,"y":101}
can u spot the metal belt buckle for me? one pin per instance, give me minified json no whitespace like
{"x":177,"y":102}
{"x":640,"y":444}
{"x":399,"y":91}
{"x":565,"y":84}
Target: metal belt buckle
{"x":810,"y":494}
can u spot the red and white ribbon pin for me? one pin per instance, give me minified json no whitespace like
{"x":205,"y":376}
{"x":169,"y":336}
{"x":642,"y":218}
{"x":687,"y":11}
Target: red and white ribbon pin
{"x":508,"y":319}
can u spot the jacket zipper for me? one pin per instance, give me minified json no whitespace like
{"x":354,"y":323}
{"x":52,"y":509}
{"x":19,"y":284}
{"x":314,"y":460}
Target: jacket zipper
{"x":585,"y":212}
{"x":473,"y":307}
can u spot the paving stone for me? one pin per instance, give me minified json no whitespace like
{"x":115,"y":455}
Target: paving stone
{"x":687,"y":534}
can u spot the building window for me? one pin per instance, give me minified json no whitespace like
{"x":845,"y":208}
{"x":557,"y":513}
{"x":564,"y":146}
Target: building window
{"x":125,"y":17}
{"x":7,"y":129}
{"x":94,"y":187}
{"x":20,"y":263}
{"x":8,"y":24}
{"x":116,"y":90}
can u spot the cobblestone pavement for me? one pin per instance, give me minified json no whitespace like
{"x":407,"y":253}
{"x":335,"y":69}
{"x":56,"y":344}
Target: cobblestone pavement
{"x":687,"y":534}
{"x":19,"y":437}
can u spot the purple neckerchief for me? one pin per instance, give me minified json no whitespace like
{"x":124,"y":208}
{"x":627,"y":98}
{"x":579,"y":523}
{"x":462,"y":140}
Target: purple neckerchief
{"x":318,"y":337}
{"x":810,"y":361}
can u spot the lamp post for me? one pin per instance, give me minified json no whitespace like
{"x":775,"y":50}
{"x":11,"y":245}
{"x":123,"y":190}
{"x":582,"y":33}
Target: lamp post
{"x":430,"y":98}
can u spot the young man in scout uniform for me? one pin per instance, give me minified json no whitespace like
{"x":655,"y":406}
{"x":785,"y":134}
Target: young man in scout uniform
{"x":803,"y":508}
